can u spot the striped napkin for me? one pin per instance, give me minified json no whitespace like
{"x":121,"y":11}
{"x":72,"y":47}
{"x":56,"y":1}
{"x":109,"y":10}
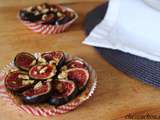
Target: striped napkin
{"x":130,"y":26}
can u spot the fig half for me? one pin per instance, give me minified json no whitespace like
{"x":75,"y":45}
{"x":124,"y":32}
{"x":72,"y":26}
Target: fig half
{"x":24,"y":61}
{"x":63,"y":92}
{"x":42,"y":72}
{"x":55,"y":57}
{"x":75,"y":63}
{"x":80,"y":76}
{"x":38,"y":94}
{"x":18,"y":81}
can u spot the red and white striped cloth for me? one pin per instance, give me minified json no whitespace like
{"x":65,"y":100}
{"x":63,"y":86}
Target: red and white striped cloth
{"x":49,"y":29}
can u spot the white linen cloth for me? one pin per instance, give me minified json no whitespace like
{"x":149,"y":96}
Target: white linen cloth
{"x":153,"y":3}
{"x":130,"y":26}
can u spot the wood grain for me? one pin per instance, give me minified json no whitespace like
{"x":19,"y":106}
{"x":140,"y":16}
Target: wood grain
{"x":31,"y":2}
{"x":116,"y":95}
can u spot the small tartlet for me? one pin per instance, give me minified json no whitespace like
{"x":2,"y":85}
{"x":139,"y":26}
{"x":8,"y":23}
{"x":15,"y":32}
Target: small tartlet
{"x":47,"y":18}
{"x":45,"y":109}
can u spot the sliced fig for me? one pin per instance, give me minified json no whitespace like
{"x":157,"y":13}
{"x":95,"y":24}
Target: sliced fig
{"x":55,"y":57}
{"x":63,"y":92}
{"x":75,"y":63}
{"x":29,"y":16}
{"x":24,"y":61}
{"x":64,"y":20}
{"x":80,"y":76}
{"x":38,"y":94}
{"x":18,"y":81}
{"x":42,"y":72}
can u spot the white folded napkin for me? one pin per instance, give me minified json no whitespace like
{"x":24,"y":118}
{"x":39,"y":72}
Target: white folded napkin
{"x":130,"y":26}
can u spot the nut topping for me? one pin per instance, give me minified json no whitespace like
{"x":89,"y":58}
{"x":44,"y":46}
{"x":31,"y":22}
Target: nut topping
{"x":52,"y":62}
{"x":53,"y":9}
{"x":42,"y":60}
{"x":62,"y":75}
{"x":20,"y":76}
{"x":33,"y":62}
{"x":49,"y":80}
{"x":27,"y":82}
{"x":59,"y":14}
{"x":39,"y":84}
{"x":36,"y":12}
{"x":43,"y":70}
{"x":45,"y":10}
{"x":39,"y":8}
{"x":29,"y":9}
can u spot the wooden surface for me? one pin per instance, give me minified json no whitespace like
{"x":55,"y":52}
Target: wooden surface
{"x":116,"y":95}
{"x":31,"y":2}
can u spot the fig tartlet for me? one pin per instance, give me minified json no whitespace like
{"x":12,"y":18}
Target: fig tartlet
{"x":47,"y":18}
{"x":55,"y":81}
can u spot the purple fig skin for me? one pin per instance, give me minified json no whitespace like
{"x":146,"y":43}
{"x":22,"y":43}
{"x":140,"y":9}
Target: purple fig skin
{"x":28,"y":16}
{"x":48,"y":57}
{"x":61,"y":100}
{"x":79,"y":78}
{"x":16,"y":90}
{"x":35,"y":99}
{"x":76,"y":63}
{"x":21,"y":56}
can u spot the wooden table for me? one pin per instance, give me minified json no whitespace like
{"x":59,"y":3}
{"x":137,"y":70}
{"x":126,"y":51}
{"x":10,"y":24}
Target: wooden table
{"x":116,"y":95}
